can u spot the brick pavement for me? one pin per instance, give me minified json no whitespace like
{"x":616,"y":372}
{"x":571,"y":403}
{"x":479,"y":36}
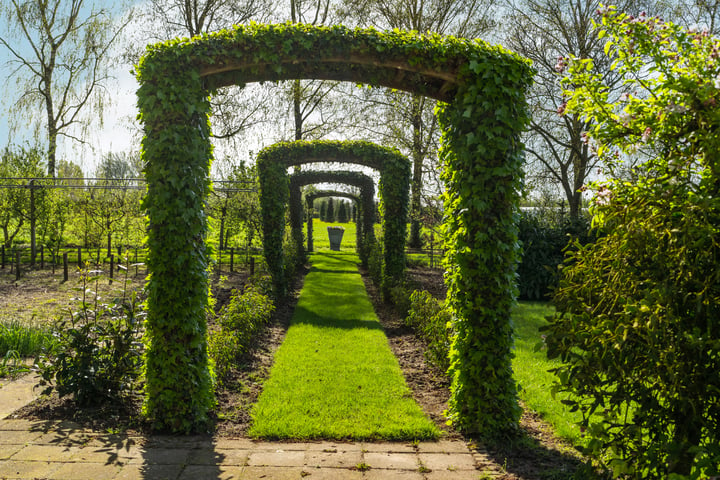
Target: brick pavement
{"x":66,"y":451}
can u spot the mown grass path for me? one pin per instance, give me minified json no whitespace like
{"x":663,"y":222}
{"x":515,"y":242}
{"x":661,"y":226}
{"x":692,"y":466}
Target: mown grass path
{"x":334,"y":376}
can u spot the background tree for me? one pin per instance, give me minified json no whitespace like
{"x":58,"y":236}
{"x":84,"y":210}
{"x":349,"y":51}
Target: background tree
{"x":637,"y":327}
{"x":16,"y":206}
{"x":547,"y":32}
{"x":61,"y":50}
{"x":410,"y":122}
{"x":330,"y":212}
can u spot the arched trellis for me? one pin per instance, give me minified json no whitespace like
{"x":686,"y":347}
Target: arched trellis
{"x":393,"y":189}
{"x":482,"y":114}
{"x":361,"y":217}
{"x":356,"y":179}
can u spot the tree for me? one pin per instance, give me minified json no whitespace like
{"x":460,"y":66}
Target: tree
{"x":16,"y":204}
{"x":410,"y":121}
{"x":547,"y":32}
{"x":637,"y":327}
{"x":61,"y":49}
{"x":112,"y":199}
{"x":330,"y":212}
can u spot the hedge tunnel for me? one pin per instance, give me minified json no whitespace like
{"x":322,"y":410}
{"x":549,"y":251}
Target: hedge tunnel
{"x":482,"y":113}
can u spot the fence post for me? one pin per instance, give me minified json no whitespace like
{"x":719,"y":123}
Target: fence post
{"x":252,"y":266}
{"x":17,"y":265}
{"x":65,"y":267}
{"x":232,"y":257}
{"x":42,"y":257}
{"x":136,"y":262}
{"x":112,"y":267}
{"x":80,"y":257}
{"x":3,"y":256}
{"x":432,"y":250}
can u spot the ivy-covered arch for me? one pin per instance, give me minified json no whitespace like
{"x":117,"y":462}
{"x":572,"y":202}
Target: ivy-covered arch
{"x":482,"y":113}
{"x":361,"y":217}
{"x":393,"y":190}
{"x":356,"y":179}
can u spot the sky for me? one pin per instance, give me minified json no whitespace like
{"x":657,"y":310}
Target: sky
{"x":115,"y":134}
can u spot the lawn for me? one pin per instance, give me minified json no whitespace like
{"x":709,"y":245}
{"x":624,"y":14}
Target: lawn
{"x":320,"y":235}
{"x":335,"y":376}
{"x":531,"y":367}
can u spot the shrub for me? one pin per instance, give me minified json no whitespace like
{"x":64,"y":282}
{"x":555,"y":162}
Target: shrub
{"x":98,"y":355}
{"x":544,"y":241}
{"x":238,"y":325}
{"x":433,"y":324}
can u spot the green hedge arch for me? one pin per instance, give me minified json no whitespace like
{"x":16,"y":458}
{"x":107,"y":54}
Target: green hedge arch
{"x":482,"y":114}
{"x":393,"y":189}
{"x":362,"y":219}
{"x":366,"y":199}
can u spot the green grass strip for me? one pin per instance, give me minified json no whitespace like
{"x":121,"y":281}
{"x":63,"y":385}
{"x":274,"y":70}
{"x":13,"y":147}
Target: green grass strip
{"x":531,"y":366}
{"x":334,"y":376}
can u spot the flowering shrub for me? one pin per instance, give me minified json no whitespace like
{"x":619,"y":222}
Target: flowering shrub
{"x":637,"y":325}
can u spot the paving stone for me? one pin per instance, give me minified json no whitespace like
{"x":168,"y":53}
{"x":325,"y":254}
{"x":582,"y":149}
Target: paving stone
{"x":337,"y":459}
{"x":43,"y":453}
{"x":278,"y":458}
{"x":397,"y":447}
{"x":26,"y":469}
{"x":205,"y":456}
{"x":208,"y":472}
{"x":162,"y":456}
{"x":273,"y":473}
{"x":14,"y":424}
{"x":63,"y":438}
{"x":456,"y":475}
{"x":376,"y":474}
{"x":330,"y":474}
{"x":230,"y":443}
{"x":18,"y":437}
{"x":149,"y":472}
{"x":18,"y":393}
{"x":104,"y":455}
{"x":445,"y":461}
{"x":7,"y":451}
{"x":443,"y":446}
{"x":395,"y":461}
{"x":86,"y":471}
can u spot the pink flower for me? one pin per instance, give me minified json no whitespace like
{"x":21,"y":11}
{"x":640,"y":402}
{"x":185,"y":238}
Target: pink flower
{"x":646,"y":135}
{"x":561,"y":108}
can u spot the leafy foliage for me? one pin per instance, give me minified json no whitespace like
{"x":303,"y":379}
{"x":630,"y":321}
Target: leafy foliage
{"x":98,"y":353}
{"x":239,"y":324}
{"x":357,"y":179}
{"x":393,"y":190}
{"x":484,"y":86}
{"x":482,"y":163}
{"x":637,"y":311}
{"x":544,"y":242}
{"x":433,"y":324}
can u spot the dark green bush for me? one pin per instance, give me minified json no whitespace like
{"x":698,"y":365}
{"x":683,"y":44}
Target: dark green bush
{"x":238,"y":324}
{"x":544,"y":241}
{"x":432,"y":322}
{"x":99,"y":352}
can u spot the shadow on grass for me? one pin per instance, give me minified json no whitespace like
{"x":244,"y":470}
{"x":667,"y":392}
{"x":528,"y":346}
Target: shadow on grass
{"x":308,"y":317}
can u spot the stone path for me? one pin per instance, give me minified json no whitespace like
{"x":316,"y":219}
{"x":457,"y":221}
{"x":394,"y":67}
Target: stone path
{"x":66,"y":451}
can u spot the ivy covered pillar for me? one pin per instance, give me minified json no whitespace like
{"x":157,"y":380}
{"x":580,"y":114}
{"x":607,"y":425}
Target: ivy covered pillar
{"x":176,"y":153}
{"x":482,"y":173}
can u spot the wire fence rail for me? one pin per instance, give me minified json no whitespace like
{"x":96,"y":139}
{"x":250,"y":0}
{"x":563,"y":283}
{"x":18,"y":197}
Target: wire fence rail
{"x":18,"y":260}
{"x":85,"y":183}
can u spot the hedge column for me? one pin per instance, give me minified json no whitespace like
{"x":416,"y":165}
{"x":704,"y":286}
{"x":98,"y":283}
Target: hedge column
{"x":176,"y":154}
{"x":483,"y":177}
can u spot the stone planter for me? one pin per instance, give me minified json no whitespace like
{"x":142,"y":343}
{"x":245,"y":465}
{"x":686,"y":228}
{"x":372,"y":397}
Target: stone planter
{"x":335,"y":235}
